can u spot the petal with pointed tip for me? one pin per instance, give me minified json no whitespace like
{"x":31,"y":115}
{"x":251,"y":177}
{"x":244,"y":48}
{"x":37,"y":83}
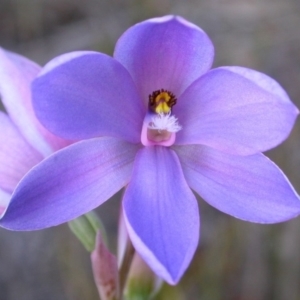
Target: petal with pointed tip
{"x":234,"y":114}
{"x":161,"y":213}
{"x":88,"y":94}
{"x":250,"y":188}
{"x":70,"y":183}
{"x":164,"y":53}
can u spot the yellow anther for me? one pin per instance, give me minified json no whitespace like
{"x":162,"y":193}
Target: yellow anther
{"x":162,"y":107}
{"x":161,"y":101}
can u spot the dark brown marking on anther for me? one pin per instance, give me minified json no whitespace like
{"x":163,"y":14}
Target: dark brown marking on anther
{"x":159,"y":96}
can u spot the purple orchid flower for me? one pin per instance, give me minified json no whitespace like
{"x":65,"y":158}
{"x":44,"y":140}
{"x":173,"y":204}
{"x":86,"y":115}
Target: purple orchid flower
{"x":156,"y":119}
{"x":24,"y":142}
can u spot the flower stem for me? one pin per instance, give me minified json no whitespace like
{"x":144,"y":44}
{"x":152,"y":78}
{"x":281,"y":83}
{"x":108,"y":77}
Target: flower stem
{"x":125,"y":267}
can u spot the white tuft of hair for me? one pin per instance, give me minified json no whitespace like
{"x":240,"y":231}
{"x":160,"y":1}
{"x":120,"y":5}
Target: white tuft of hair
{"x":165,"y":122}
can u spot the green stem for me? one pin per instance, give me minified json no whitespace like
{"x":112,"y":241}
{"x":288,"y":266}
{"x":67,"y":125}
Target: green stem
{"x":125,"y":267}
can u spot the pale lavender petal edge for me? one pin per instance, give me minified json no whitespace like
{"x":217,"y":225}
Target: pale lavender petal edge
{"x":250,"y":188}
{"x":229,"y":112}
{"x":4,"y":200}
{"x":164,"y":53}
{"x":17,"y":156}
{"x":262,"y":80}
{"x":88,"y":94}
{"x":161,"y":213}
{"x":16,"y":76}
{"x":70,"y":183}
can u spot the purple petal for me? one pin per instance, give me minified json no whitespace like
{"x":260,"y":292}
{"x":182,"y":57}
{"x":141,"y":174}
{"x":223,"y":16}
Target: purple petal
{"x":16,"y":75}
{"x":4,"y":200}
{"x":17,"y":157}
{"x":88,"y":94}
{"x":164,"y":53}
{"x":231,"y":113}
{"x":250,"y":188}
{"x":161,"y":213}
{"x":70,"y":183}
{"x":262,"y":80}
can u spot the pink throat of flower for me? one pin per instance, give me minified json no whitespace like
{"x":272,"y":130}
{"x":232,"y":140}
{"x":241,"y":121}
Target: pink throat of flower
{"x":160,"y":126}
{"x":151,"y":137}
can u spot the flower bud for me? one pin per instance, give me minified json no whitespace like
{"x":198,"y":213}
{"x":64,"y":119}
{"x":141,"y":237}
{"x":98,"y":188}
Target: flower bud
{"x":105,"y":270}
{"x":85,"y":229}
{"x":142,"y":283}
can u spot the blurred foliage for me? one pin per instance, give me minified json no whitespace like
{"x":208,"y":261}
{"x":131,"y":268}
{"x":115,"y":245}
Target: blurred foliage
{"x":235,"y":260}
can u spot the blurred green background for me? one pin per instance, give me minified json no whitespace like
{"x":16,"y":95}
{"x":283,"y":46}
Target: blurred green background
{"x":235,"y":260}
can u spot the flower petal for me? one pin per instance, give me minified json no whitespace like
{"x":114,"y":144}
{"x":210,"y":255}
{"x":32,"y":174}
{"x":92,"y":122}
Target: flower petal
{"x":16,"y":75}
{"x":86,"y":95}
{"x":262,"y":80}
{"x":17,"y":157}
{"x":70,"y":183}
{"x":231,"y":113}
{"x":164,"y":53}
{"x":161,"y":213}
{"x":250,"y":188}
{"x":4,"y":200}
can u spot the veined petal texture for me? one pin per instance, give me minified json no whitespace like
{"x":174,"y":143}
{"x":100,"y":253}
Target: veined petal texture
{"x":230,"y":112}
{"x":16,"y":75}
{"x":16,"y":155}
{"x":88,"y":95}
{"x":70,"y":183}
{"x":161,"y":213}
{"x":164,"y":53}
{"x":250,"y":188}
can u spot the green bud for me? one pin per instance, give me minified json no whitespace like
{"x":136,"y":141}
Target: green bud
{"x":142,"y":283}
{"x":85,"y":229}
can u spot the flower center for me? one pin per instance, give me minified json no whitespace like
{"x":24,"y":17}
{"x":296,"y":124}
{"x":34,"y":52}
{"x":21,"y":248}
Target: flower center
{"x":160,"y":126}
{"x":161,"y":101}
